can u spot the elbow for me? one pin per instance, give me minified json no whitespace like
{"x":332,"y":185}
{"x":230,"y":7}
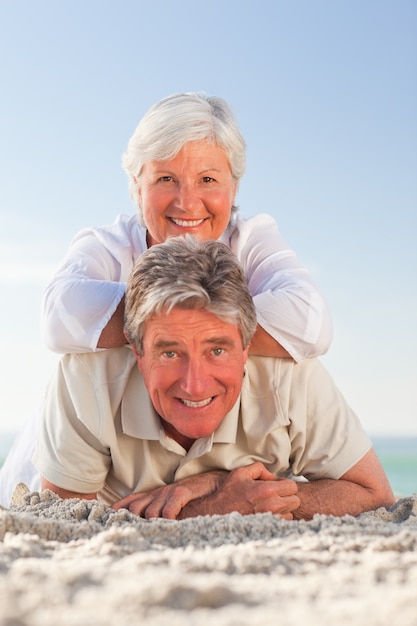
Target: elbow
{"x":323,"y":343}
{"x":320,"y":343}
{"x":311,"y":349}
{"x":52,"y":337}
{"x":50,"y":327}
{"x":51,"y":342}
{"x":384,"y":497}
{"x":58,"y":339}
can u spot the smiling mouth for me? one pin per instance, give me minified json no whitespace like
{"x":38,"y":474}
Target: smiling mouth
{"x":195,"y":405}
{"x":188,"y":223}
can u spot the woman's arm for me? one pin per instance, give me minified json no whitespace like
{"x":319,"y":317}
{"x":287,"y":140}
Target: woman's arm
{"x":112,"y":335}
{"x":82,"y":307}
{"x":289,"y":306}
{"x":263,"y":344}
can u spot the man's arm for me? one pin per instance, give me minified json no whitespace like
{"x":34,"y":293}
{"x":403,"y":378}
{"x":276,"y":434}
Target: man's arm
{"x":364,"y":487}
{"x":64,"y":493}
{"x":247,"y":490}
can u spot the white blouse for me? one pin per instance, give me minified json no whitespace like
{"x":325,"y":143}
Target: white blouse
{"x":91,"y":281}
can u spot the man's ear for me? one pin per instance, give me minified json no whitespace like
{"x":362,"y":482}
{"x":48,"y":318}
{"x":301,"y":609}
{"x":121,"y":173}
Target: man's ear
{"x":138,"y":358}
{"x":135,"y":352}
{"x":245,"y":354}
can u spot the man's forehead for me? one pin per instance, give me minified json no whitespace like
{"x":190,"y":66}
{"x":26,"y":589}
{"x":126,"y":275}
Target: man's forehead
{"x":183,"y":325}
{"x":184,"y":318}
{"x":169,"y":342}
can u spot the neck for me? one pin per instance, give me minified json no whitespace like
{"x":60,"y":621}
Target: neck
{"x":173,"y":433}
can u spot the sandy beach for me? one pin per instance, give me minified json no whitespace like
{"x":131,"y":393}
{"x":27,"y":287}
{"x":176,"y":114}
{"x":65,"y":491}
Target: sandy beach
{"x":75,"y":563}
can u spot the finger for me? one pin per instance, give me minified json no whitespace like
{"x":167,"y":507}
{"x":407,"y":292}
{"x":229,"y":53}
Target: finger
{"x":278,"y":505}
{"x":124,"y":502}
{"x":290,"y":504}
{"x":286,"y":516}
{"x":139,"y":507}
{"x":286,"y":505}
{"x":275,"y":494}
{"x":172,"y":509}
{"x":171,"y":505}
{"x":135,"y":503}
{"x":254,"y":471}
{"x":156,"y":508}
{"x":174,"y":506}
{"x":286,"y":487}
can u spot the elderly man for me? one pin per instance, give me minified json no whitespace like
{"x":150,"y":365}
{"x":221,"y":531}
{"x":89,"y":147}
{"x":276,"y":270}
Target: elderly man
{"x":185,"y":423}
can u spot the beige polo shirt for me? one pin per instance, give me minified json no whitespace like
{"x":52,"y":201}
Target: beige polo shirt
{"x":101,"y":434}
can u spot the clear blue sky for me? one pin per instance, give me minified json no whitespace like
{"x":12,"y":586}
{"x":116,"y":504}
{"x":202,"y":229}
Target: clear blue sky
{"x":326,"y":95}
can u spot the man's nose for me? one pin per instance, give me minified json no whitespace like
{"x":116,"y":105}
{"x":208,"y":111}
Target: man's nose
{"x":194,"y":378}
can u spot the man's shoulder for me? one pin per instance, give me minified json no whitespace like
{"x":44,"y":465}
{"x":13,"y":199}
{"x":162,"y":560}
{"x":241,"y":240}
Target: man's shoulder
{"x":102,"y":367}
{"x":264,"y":375}
{"x":263,"y":372}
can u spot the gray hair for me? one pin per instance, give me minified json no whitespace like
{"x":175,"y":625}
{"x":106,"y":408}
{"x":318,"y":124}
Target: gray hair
{"x":174,"y":121}
{"x":186,"y":273}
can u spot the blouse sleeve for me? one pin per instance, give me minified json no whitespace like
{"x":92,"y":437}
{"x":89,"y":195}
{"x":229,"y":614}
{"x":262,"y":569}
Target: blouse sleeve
{"x":289,"y":305}
{"x":88,"y":286}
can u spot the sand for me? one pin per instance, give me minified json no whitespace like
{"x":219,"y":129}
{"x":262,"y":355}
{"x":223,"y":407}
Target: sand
{"x":79,"y":563}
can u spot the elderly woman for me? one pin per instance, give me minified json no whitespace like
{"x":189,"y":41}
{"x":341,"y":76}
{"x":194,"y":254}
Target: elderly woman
{"x":184,"y":162}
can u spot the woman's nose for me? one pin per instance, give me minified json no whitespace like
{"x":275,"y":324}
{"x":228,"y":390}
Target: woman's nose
{"x":187,"y":198}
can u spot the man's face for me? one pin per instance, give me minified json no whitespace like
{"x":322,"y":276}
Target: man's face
{"x":193,"y":365}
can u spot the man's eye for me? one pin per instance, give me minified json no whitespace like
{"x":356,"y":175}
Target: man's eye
{"x":218,"y":351}
{"x":169,"y":354}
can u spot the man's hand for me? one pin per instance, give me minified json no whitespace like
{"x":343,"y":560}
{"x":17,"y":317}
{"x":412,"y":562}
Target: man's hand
{"x":251,"y":489}
{"x":248,"y":490}
{"x":168,"y":501}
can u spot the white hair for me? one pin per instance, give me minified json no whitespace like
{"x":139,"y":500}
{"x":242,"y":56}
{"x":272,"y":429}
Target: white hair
{"x":174,"y":121}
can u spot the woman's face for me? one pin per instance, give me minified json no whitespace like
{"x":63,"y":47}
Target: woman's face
{"x":191,"y":193}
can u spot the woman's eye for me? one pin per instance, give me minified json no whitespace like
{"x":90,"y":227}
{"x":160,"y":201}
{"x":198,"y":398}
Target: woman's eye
{"x":165,"y":179}
{"x":208,"y":179}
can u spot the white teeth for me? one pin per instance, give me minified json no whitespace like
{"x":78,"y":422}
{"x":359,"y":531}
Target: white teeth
{"x":197,"y":404}
{"x":187,"y":222}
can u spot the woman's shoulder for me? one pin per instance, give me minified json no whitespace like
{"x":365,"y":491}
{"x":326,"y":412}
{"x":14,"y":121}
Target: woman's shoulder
{"x":259,"y":220}
{"x":245,"y":235}
{"x":123,"y":232}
